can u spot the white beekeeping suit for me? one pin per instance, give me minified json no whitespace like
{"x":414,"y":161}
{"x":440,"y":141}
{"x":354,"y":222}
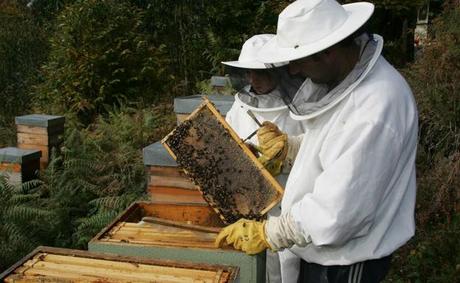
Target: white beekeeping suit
{"x":350,"y":195}
{"x":265,"y":107}
{"x":351,"y":136}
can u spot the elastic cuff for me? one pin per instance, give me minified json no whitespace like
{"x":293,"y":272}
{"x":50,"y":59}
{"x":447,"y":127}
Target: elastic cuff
{"x":293,"y":145}
{"x":266,"y":239}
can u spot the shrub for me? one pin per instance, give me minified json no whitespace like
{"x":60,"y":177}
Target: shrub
{"x":433,"y":254}
{"x":99,"y":58}
{"x":435,"y":81}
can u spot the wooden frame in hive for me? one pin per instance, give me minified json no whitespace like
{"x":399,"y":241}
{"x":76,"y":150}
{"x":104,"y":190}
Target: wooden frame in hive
{"x":234,"y":183}
{"x":47,"y":264}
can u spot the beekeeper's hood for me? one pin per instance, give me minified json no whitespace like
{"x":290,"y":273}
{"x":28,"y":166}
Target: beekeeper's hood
{"x":238,"y":72}
{"x":307,"y":27}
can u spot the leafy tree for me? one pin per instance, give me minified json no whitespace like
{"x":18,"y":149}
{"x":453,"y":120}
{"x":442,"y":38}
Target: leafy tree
{"x":395,"y":21}
{"x":22,"y":49}
{"x":200,"y":34}
{"x":46,"y":10}
{"x":100,"y":57}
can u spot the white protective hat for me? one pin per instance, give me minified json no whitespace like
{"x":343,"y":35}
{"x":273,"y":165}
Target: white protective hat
{"x":249,"y":51}
{"x":306,"y":27}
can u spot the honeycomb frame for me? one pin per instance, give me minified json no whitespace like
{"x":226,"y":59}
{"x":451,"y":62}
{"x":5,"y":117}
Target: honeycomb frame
{"x":229,"y":176}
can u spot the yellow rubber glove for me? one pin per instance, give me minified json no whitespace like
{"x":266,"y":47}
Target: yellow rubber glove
{"x":272,"y":166}
{"x":273,"y":146}
{"x":245,"y":235}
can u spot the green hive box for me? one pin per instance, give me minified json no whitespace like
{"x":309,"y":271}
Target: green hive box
{"x":127,"y":236}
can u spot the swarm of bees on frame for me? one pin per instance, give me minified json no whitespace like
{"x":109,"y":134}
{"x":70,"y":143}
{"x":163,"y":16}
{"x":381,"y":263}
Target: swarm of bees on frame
{"x":228,"y":179}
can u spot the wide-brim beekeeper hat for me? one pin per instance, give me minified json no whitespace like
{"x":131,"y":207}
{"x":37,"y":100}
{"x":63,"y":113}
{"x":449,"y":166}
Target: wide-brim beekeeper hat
{"x":249,"y":51}
{"x":306,"y":27}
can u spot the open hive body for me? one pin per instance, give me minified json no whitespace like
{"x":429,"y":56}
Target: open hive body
{"x":63,"y":265}
{"x":129,"y":235}
{"x":227,"y":173}
{"x":130,"y":227}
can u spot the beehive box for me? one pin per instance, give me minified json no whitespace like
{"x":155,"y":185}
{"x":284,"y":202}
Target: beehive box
{"x":166,"y":181}
{"x":184,"y":106}
{"x":227,"y":173}
{"x":40,"y":132}
{"x":46,"y":264}
{"x":129,"y":235}
{"x":19,"y":165}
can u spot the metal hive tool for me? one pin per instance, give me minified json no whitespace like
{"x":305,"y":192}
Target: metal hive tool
{"x":228,"y":175}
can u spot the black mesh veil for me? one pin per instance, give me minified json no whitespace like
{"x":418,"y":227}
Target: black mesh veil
{"x":287,"y":85}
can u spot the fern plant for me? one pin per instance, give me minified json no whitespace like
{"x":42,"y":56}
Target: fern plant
{"x":23,"y":226}
{"x":99,"y":172}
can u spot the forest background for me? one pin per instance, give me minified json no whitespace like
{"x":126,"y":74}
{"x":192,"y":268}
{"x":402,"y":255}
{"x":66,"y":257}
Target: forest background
{"x":113,"y":68}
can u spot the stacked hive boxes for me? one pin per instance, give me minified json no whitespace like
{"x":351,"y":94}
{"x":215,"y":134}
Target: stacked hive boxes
{"x":19,"y":165}
{"x":40,"y":132}
{"x":166,"y":181}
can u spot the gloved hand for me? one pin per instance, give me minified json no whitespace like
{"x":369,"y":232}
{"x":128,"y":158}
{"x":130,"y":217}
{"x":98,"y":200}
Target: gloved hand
{"x":273,"y":166}
{"x":245,"y":235}
{"x":273,"y":146}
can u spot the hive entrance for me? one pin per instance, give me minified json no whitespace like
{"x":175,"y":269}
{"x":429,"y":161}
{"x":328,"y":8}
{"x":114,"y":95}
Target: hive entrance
{"x":228,"y":175}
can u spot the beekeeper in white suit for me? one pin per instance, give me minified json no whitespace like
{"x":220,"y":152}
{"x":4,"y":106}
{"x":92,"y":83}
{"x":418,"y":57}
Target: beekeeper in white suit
{"x":350,"y":197}
{"x":262,"y":96}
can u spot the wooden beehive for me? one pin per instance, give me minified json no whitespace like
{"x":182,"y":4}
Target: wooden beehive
{"x":40,"y":132}
{"x":184,"y":106}
{"x":166,"y":181}
{"x":131,"y":228}
{"x":46,"y":264}
{"x":189,"y":236}
{"x":227,"y":173}
{"x":19,"y":165}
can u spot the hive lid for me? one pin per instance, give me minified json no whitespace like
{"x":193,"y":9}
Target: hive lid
{"x":40,"y":120}
{"x":227,"y":173}
{"x":18,"y":155}
{"x":187,"y":104}
{"x":156,"y":155}
{"x":219,"y":81}
{"x":46,"y":264}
